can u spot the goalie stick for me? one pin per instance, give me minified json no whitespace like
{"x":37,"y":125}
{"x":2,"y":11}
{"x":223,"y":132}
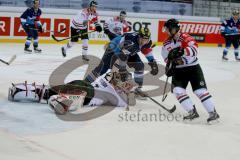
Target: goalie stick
{"x":10,"y":61}
{"x":59,"y":40}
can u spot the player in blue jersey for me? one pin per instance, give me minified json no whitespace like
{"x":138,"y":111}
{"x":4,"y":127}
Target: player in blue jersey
{"x":230,"y":30}
{"x":125,"y":48}
{"x":30,"y":21}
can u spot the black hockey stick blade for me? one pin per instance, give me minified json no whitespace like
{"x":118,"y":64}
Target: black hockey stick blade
{"x":10,"y":61}
{"x":172,"y":109}
{"x":4,"y":62}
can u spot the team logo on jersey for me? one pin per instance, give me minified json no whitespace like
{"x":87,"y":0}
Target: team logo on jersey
{"x":202,"y":83}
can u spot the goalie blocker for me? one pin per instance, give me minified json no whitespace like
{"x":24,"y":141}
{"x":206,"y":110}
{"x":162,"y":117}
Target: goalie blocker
{"x":69,"y":97}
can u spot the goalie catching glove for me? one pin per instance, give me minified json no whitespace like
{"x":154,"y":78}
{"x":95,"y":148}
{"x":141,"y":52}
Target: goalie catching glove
{"x":62,"y":103}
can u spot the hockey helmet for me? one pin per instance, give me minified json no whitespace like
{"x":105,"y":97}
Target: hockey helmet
{"x":93,"y":3}
{"x":172,"y":25}
{"x":235,"y":12}
{"x":144,"y":33}
{"x":123,"y":13}
{"x":35,"y":1}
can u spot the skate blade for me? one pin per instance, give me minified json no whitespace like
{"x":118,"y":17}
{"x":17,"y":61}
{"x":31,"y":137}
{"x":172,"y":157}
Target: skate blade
{"x":192,"y":121}
{"x":27,"y":52}
{"x":37,"y":51}
{"x":213,"y":122}
{"x":224,"y":60}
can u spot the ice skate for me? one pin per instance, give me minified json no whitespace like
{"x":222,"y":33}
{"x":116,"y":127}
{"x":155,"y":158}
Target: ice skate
{"x":37,"y":50}
{"x":27,"y":50}
{"x":224,"y":58}
{"x":237,"y":58}
{"x":191,"y":115}
{"x":213,"y":116}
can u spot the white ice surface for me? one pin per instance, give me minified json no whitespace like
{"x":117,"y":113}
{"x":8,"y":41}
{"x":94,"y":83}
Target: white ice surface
{"x":32,"y":131}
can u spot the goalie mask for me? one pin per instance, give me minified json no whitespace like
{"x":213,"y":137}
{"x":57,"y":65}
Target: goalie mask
{"x":115,"y":79}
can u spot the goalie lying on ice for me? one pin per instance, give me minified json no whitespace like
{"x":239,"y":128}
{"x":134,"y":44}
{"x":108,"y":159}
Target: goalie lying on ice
{"x":107,"y":89}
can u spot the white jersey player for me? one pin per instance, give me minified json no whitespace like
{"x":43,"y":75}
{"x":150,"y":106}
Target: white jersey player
{"x":79,"y":28}
{"x":116,"y":25}
{"x":180,"y":53}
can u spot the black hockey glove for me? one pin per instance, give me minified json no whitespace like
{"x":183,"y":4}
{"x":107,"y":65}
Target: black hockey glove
{"x":110,"y":34}
{"x":40,"y":29}
{"x":98,"y":27}
{"x":154,"y":67}
{"x":175,"y":53}
{"x":170,"y":68}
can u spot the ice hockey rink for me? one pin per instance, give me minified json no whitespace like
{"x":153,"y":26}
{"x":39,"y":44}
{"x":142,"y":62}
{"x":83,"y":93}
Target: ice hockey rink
{"x":32,"y":131}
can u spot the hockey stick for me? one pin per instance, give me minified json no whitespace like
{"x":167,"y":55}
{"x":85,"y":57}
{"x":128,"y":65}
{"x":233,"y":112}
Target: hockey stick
{"x":59,"y":40}
{"x":166,"y":109}
{"x":162,"y":106}
{"x":164,"y":91}
{"x":10,"y":61}
{"x":166,"y":82}
{"x":64,"y":29}
{"x":232,"y":34}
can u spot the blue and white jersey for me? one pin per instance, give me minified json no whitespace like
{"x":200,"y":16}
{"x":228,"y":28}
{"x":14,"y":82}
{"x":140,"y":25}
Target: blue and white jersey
{"x":117,"y":44}
{"x":31,"y":17}
{"x":230,"y":26}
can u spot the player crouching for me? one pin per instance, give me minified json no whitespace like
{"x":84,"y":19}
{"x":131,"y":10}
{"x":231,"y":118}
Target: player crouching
{"x":107,"y":89}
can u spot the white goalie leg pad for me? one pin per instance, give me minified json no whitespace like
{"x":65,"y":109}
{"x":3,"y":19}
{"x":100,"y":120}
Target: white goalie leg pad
{"x":27,"y":92}
{"x":63,"y":103}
